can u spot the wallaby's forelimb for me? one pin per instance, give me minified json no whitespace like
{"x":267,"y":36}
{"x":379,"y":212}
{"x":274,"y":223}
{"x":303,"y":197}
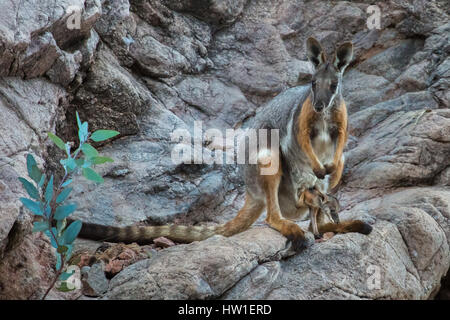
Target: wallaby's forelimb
{"x":340,"y":119}
{"x":304,"y":138}
{"x":337,"y":174}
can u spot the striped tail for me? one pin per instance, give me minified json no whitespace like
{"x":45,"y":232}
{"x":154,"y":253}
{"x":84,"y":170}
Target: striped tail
{"x":145,"y":234}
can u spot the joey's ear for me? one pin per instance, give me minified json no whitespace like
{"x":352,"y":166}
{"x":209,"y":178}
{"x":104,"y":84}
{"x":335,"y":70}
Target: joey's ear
{"x":315,"y":52}
{"x":343,"y":56}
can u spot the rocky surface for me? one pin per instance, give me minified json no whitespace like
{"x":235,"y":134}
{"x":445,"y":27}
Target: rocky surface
{"x":146,"y":68}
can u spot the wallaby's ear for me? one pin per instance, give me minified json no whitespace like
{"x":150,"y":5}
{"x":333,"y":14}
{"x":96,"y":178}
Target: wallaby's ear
{"x":343,"y":56}
{"x":315,"y":52}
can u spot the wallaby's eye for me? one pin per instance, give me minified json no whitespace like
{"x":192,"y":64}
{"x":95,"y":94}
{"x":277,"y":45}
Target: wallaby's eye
{"x":333,"y":87}
{"x":313,"y":83}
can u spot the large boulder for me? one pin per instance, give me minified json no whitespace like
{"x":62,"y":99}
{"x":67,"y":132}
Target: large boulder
{"x":28,"y":110}
{"x":404,"y":257}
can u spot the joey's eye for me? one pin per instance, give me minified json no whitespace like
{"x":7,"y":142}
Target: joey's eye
{"x":313,"y":83}
{"x":333,"y":87}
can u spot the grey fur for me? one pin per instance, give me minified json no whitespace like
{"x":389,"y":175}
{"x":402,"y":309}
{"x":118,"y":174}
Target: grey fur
{"x":282,"y":113}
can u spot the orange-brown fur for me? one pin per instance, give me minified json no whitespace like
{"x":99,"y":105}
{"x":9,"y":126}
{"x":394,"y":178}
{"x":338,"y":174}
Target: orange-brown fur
{"x":306,"y":120}
{"x":340,"y":118}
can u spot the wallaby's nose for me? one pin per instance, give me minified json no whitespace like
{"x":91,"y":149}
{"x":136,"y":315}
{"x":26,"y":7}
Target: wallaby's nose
{"x":319,"y":107}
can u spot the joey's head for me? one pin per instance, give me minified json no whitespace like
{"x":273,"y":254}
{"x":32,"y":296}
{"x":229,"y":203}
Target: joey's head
{"x":326,"y":82}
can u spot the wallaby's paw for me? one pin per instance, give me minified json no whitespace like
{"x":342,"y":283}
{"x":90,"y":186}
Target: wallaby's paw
{"x":320,"y":172}
{"x":357,"y":226}
{"x":330,"y":168}
{"x":300,"y":243}
{"x":297,"y":237}
{"x":365,"y":228}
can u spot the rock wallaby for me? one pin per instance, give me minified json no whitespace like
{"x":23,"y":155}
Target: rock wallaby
{"x":312,"y":123}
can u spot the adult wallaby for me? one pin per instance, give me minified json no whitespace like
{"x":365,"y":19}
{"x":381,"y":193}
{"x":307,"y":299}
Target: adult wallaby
{"x":312,"y":123}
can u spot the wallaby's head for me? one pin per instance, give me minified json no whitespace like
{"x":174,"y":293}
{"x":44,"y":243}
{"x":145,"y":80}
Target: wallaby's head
{"x":326,"y":81}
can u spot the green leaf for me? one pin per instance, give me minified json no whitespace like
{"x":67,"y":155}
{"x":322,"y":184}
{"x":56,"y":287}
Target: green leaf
{"x":36,"y":174}
{"x":84,"y":128}
{"x":40,"y":226}
{"x":90,"y":174}
{"x":101,"y":135}
{"x":72,"y":231}
{"x":33,"y":170}
{"x":47,"y":210}
{"x":63,"y":195}
{"x":30,"y":163}
{"x":57,"y":140}
{"x":60,"y":239}
{"x":65,"y":184}
{"x":87,"y":163}
{"x":83,"y":132}
{"x":69,"y":251}
{"x":67,"y":145}
{"x":42,"y":181}
{"x":30,"y":188}
{"x":89,"y":150}
{"x":78,"y":120}
{"x":52,"y":240}
{"x":34,"y":207}
{"x":49,"y":190}
{"x":71,"y":164}
{"x":100,"y":160}
{"x":60,"y":225}
{"x":64,"y":211}
{"x":79,"y":162}
{"x":66,"y":275}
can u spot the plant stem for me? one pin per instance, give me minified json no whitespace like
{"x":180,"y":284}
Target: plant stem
{"x":58,"y":190}
{"x":53,"y":205}
{"x":58,"y":273}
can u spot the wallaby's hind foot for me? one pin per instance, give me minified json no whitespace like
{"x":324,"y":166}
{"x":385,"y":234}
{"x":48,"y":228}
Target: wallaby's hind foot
{"x":290,"y":230}
{"x":296,"y":235}
{"x":274,"y":218}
